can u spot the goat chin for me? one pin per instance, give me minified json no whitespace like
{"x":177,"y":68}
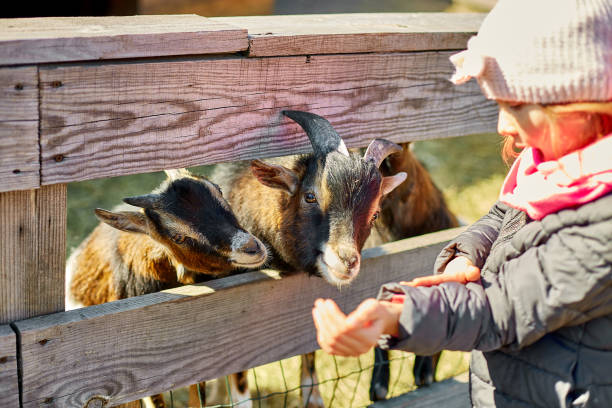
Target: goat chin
{"x":333,"y":270}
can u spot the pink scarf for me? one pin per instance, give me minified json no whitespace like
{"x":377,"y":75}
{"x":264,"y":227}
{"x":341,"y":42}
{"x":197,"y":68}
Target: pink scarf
{"x":544,"y":187}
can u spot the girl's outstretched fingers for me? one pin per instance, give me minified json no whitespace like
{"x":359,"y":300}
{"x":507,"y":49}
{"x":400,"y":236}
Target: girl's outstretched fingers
{"x":460,"y":270}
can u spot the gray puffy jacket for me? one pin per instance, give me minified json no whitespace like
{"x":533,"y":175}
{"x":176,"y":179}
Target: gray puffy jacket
{"x":540,"y":319}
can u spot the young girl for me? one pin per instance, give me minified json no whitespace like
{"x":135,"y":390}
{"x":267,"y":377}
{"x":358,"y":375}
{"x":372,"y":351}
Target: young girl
{"x":528,"y":287}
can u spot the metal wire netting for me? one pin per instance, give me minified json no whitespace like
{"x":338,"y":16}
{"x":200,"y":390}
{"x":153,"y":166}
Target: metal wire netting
{"x":337,"y":382}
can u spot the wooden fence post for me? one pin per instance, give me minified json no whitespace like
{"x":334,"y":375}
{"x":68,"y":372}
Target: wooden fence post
{"x":32,"y":252}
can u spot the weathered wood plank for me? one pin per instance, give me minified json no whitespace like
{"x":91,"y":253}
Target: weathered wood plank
{"x":451,"y":393}
{"x":56,"y":39}
{"x":100,"y":120}
{"x":130,"y":348}
{"x":19,"y":152}
{"x":9,"y":385}
{"x":32,"y":252}
{"x":354,"y":33}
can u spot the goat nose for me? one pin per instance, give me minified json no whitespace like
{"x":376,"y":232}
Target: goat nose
{"x":251,"y":247}
{"x":352,"y":262}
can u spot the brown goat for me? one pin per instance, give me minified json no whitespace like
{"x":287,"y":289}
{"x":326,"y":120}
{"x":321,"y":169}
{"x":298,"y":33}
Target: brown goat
{"x":315,"y":211}
{"x":183,"y":232}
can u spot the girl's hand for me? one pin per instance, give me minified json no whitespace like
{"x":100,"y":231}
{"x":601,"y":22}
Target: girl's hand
{"x":460,"y":270}
{"x":358,"y":332}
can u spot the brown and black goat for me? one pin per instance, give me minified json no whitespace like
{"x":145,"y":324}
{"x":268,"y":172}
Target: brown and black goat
{"x":314,"y":211}
{"x":183,"y":232}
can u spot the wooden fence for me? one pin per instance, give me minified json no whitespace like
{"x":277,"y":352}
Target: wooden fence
{"x":85,"y":98}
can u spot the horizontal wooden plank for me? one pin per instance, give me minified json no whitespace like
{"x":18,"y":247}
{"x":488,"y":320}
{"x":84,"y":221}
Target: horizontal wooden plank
{"x":451,"y":393}
{"x":9,"y":385}
{"x":110,"y":119}
{"x":19,"y":151}
{"x":354,"y":33}
{"x":130,"y":348}
{"x":56,"y":39}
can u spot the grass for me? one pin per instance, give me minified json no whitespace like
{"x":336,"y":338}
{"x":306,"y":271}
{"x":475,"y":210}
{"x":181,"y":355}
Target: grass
{"x":468,"y":170}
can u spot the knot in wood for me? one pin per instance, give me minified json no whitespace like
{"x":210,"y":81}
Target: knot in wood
{"x":97,"y":401}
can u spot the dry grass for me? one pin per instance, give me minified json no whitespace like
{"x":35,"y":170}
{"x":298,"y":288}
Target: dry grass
{"x":344,"y":381}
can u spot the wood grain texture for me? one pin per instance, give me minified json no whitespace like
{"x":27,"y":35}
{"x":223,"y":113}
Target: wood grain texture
{"x":139,"y":346}
{"x":32,"y":252}
{"x":19,"y":152}
{"x":9,"y":388}
{"x":355,"y":33}
{"x":451,"y":393}
{"x":56,"y":39}
{"x":124,"y":118}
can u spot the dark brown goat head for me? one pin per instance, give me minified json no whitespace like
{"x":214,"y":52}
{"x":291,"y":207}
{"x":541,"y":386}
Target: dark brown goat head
{"x":188,"y":215}
{"x":332,"y":200}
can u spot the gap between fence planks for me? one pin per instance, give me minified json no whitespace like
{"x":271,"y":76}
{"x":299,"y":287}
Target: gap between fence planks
{"x":57,"y":39}
{"x":19,"y":152}
{"x":9,"y":388}
{"x":139,"y":346}
{"x":32,"y":252}
{"x":111,"y":119}
{"x":356,"y":33}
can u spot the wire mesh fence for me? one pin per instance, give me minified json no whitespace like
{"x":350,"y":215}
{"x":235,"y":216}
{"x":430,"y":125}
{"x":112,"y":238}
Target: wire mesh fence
{"x":338,"y":382}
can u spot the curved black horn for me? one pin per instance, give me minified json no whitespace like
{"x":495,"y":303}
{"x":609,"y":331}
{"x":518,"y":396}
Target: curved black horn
{"x":322,"y":135}
{"x":143,"y":201}
{"x":379,"y":149}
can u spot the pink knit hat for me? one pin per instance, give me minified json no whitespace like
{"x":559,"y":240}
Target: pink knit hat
{"x":542,"y":51}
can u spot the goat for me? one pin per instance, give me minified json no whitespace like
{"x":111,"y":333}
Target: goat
{"x":315,"y":211}
{"x":183,"y":232}
{"x":416,"y":207}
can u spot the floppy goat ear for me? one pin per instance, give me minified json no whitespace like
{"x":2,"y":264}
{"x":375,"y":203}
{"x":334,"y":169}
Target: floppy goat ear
{"x":389,"y":183}
{"x":275,"y":176}
{"x":129,"y":221}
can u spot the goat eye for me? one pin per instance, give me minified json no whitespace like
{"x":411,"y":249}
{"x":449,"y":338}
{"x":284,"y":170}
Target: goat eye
{"x":310,"y":198}
{"x":178,"y":238}
{"x":375,"y":216}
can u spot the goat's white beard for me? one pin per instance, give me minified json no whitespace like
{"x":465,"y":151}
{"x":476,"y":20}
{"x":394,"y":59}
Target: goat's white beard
{"x":331,"y":268}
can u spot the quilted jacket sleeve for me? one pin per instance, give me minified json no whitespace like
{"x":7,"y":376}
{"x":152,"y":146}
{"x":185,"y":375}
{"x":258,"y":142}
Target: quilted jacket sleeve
{"x":476,"y":241}
{"x":557,"y":273}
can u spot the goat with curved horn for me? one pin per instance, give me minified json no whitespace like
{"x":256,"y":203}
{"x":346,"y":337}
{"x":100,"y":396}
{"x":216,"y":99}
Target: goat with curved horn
{"x":322,"y":135}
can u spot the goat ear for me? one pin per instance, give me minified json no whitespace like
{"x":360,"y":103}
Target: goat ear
{"x":129,"y":221}
{"x":389,"y":183}
{"x":275,"y":176}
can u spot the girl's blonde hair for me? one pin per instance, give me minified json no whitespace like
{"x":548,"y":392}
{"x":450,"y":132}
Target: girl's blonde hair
{"x":595,"y":117}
